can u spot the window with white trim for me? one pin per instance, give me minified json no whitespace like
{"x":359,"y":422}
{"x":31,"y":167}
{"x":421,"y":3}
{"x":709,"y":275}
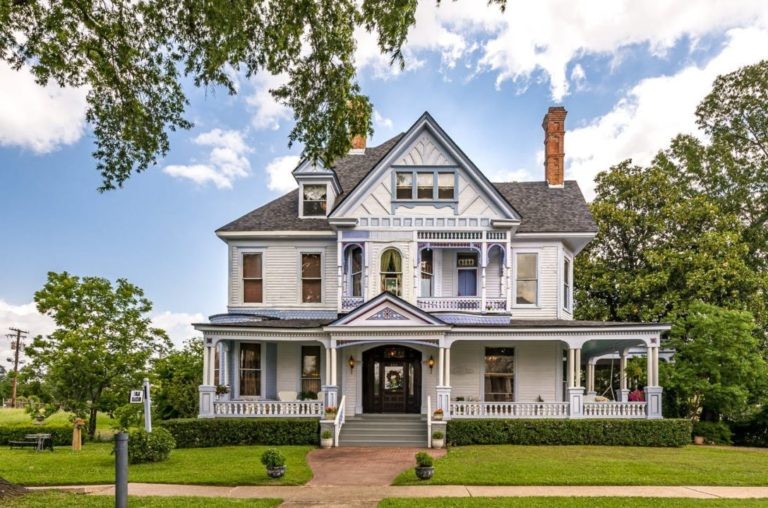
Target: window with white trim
{"x":425,"y":185}
{"x":567,"y":283}
{"x":315,"y":200}
{"x":427,"y":273}
{"x":310,"y":370}
{"x":250,"y":369}
{"x":527,"y":283}
{"x":253,"y":284}
{"x":355,"y":271}
{"x":311,"y":278}
{"x":499,"y":374}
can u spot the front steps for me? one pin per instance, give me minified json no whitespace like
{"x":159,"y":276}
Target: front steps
{"x":404,"y":430}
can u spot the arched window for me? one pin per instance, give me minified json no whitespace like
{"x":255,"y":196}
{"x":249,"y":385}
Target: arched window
{"x":391,"y":272}
{"x":355,"y":271}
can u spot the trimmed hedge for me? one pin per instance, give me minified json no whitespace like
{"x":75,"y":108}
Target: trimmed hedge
{"x":61,"y":434}
{"x":570,"y":432}
{"x":207,"y":432}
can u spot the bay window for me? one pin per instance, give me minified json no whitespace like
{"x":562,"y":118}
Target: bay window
{"x":527,"y":284}
{"x":567,"y":283}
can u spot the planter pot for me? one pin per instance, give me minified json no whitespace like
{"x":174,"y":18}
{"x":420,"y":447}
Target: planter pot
{"x":437,"y":418}
{"x":424,"y":473}
{"x":326,"y":443}
{"x":438,"y":443}
{"x":698,"y":440}
{"x":276,"y":472}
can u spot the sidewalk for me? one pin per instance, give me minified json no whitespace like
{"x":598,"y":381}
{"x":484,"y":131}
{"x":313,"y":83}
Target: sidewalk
{"x":369,"y":496}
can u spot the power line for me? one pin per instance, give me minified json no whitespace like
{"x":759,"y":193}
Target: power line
{"x":17,"y":346}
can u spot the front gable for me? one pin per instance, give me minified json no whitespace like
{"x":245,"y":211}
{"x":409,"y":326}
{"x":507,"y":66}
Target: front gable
{"x":387,"y":310}
{"x":425,"y":149}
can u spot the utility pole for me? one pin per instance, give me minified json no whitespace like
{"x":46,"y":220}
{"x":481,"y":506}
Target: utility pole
{"x":17,"y":347}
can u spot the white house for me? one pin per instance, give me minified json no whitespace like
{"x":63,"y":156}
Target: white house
{"x":402,"y":280}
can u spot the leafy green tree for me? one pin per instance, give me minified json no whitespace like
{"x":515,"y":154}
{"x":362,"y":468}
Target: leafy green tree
{"x":101,"y":346}
{"x":132,"y":55}
{"x":719,"y":367}
{"x":177,"y":376}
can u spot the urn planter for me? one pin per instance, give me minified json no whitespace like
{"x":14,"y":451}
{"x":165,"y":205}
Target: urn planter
{"x":438,"y":443}
{"x":276,"y":472}
{"x":698,"y":440}
{"x":424,"y":473}
{"x":326,"y":442}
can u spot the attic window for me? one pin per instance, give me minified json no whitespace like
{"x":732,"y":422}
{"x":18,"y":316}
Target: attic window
{"x":315,"y":200}
{"x":425,"y":185}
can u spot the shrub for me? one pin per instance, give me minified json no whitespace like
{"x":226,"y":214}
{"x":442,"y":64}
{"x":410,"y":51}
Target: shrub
{"x":272,"y":458}
{"x":152,"y":446}
{"x":60,"y":434}
{"x":437,"y":435}
{"x":423,"y":459}
{"x":326,"y":434}
{"x":570,"y":432}
{"x":713,"y":432}
{"x":753,"y":432}
{"x":207,"y":432}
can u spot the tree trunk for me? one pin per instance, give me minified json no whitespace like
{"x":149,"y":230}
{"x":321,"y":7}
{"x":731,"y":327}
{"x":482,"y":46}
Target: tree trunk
{"x":92,"y":423}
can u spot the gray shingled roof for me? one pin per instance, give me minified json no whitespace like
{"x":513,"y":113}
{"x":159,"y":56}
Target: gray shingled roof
{"x":543,"y":209}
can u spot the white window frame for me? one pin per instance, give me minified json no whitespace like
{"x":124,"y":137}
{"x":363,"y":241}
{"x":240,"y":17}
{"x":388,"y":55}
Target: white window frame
{"x":323,"y":282}
{"x":515,"y":366}
{"x":262,"y":370}
{"x":328,"y":201}
{"x":536,"y":305}
{"x":349,"y":285}
{"x":432,"y":275}
{"x":568,"y":297}
{"x":241,"y":294}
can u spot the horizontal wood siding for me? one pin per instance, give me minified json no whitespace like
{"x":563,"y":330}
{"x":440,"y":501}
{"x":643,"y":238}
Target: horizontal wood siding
{"x":536,"y":373}
{"x":467,"y":359}
{"x":493,"y":274}
{"x":548,"y":286}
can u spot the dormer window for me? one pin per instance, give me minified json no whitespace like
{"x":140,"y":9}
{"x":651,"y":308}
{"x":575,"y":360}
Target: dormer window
{"x":315,"y":200}
{"x":416,"y":185}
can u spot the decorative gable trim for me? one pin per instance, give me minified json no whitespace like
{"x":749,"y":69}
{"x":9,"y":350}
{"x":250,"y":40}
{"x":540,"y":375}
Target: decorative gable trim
{"x":387,"y":314}
{"x":388,"y":308}
{"x":448,"y":148}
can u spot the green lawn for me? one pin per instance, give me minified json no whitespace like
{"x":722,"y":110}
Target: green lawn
{"x":596,"y":465}
{"x":570,"y":502}
{"x":230,"y":465}
{"x":20,"y":417}
{"x":48,"y":499}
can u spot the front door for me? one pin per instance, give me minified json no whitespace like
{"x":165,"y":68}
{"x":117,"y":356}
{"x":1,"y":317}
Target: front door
{"x":392,"y":380}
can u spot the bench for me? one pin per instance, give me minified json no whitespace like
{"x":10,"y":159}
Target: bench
{"x":39,"y":442}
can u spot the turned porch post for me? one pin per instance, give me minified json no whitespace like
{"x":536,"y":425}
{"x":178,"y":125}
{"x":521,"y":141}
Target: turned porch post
{"x":443,"y":387}
{"x":623,"y":389}
{"x":575,"y":390}
{"x":653,"y":390}
{"x":330,"y":388}
{"x":206,"y":390}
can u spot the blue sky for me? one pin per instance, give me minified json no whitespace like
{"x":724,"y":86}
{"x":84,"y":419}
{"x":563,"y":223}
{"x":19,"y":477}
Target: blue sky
{"x":629,"y":74}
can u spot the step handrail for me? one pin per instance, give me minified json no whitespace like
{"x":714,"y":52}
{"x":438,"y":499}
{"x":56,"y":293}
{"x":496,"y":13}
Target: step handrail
{"x":429,"y":421}
{"x":338,"y":421}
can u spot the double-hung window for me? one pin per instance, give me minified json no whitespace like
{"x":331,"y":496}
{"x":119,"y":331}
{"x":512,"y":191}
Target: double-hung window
{"x":315,"y":200}
{"x":567,"y":283}
{"x":310,"y":369}
{"x":311,"y":278}
{"x":527,"y":284}
{"x":499,"y":374}
{"x":427,"y":273}
{"x":252,"y":278}
{"x":250,"y":369}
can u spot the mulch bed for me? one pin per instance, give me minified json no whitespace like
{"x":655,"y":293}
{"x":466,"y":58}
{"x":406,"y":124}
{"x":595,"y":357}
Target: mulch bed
{"x":9,"y":490}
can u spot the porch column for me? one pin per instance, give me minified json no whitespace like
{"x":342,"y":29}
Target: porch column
{"x":212,"y":365}
{"x":623,"y":390}
{"x":653,"y":390}
{"x":575,"y":390}
{"x":206,"y":390}
{"x":443,"y":387}
{"x":591,"y":376}
{"x":330,"y":389}
{"x":224,"y":369}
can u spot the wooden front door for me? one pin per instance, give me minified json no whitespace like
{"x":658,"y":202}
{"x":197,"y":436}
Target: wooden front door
{"x":392,"y":380}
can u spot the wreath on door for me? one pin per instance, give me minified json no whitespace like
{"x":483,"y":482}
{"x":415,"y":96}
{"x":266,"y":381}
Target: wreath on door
{"x":394,"y":380}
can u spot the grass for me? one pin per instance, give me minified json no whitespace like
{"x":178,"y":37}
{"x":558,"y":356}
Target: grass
{"x":228,"y":465}
{"x":66,"y":499}
{"x":10,"y":416}
{"x":570,"y":502}
{"x":596,"y":465}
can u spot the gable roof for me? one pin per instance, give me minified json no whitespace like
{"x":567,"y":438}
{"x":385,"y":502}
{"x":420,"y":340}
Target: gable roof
{"x":542,"y":209}
{"x":397,"y":305}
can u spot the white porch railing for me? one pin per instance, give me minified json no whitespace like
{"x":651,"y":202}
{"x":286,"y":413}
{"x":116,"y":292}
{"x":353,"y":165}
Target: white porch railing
{"x":471,"y":303}
{"x":351,"y":302}
{"x":338,"y":422}
{"x":429,"y":421}
{"x":268,"y":408}
{"x":509,"y":409}
{"x":615,"y":409}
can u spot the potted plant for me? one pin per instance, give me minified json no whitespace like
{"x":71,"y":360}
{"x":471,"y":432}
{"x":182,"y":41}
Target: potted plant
{"x":424,"y":469}
{"x":221,"y":390}
{"x":438,"y":439}
{"x":330,"y":412}
{"x":437,"y":415}
{"x":326,"y":439}
{"x":274,"y":461}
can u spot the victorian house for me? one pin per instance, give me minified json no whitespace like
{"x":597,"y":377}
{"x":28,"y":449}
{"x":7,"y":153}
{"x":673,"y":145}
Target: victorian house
{"x":402,"y":281}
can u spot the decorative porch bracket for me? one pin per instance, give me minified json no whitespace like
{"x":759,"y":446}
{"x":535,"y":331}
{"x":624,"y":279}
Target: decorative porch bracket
{"x":576,"y":400}
{"x":653,"y":400}
{"x":207,"y":395}
{"x":444,"y":400}
{"x":331,"y":395}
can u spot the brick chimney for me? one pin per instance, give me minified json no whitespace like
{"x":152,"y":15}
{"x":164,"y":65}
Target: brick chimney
{"x":358,"y":144}
{"x":554,"y":146}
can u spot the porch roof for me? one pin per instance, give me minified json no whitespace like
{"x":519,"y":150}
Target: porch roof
{"x":559,"y":323}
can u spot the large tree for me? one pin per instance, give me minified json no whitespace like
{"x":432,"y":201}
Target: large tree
{"x":177,"y":376}
{"x":101,"y":346}
{"x":131,"y":56}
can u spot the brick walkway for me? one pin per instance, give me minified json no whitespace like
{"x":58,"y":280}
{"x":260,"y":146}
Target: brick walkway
{"x":361,"y":466}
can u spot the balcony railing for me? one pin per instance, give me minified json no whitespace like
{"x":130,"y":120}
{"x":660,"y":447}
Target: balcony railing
{"x":615,"y":409}
{"x":350,"y":302}
{"x":462,"y":303}
{"x":509,"y":409}
{"x":269,"y":408}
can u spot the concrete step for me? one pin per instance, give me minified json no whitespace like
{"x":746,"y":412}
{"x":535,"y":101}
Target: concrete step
{"x":384,"y":430}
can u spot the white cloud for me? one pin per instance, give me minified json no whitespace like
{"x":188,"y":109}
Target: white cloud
{"x":381,"y":121}
{"x":267,"y":112}
{"x":509,"y":175}
{"x":24,"y":317}
{"x":39,"y":118}
{"x":226,"y":160}
{"x":178,"y":325}
{"x":655,"y":110}
{"x":279,"y":177}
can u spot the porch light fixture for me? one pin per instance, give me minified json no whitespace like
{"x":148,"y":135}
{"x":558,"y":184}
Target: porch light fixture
{"x":431,"y":362}
{"x":351,"y":362}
